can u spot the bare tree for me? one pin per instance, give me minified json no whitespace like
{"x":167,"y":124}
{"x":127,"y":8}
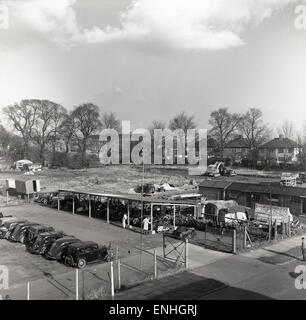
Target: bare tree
{"x":182,"y":121}
{"x":287,"y":129}
{"x":253,"y":129}
{"x":110,"y":121}
{"x":48,"y":113}
{"x":87,"y":121}
{"x":223,"y":125}
{"x":23,"y":116}
{"x":67,"y":131}
{"x":58,"y":117}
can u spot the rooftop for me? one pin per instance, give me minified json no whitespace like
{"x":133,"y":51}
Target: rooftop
{"x":238,"y":142}
{"x":280,"y":142}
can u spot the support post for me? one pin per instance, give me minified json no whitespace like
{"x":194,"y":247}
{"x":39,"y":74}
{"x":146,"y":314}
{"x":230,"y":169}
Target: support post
{"x":73,"y":205}
{"x":244,"y":237}
{"x":234,"y":245}
{"x":195,"y":209}
{"x":275,"y":230}
{"x":164,"y":246}
{"x":128,"y":213}
{"x":76,"y":284}
{"x":119,"y":274}
{"x":28,"y":198}
{"x":112,"y":280}
{"x":107,"y":212}
{"x":89,"y":207}
{"x":28,"y":290}
{"x":155,"y":265}
{"x":186,"y":254}
{"x":58,"y":202}
{"x":152,"y":218}
{"x":174,"y":216}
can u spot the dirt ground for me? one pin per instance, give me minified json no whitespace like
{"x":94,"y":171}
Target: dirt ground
{"x":24,"y":266}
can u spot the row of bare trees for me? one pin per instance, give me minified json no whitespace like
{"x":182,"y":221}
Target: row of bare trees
{"x":46,"y":124}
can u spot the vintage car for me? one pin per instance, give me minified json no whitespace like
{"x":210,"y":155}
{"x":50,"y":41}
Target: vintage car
{"x":44,"y":241}
{"x":18,"y":234}
{"x":184,"y":232}
{"x":81,"y":253}
{"x":32,"y":233}
{"x":8,"y":226}
{"x":57,"y":249}
{"x":46,"y":198}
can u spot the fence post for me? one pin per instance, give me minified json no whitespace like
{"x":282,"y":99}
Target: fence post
{"x":112,"y":280}
{"x":83,"y":285}
{"x":244,"y":237}
{"x":119,"y":273}
{"x":186,"y":253}
{"x":117,"y":253}
{"x":155,"y":265}
{"x":234,"y":244}
{"x":76,"y":284}
{"x":28,"y":290}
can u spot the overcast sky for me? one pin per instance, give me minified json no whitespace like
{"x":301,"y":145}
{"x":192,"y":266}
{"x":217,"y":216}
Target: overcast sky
{"x":150,"y":59}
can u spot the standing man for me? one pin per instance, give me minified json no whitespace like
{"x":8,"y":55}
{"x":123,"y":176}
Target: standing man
{"x":303,"y":250}
{"x":146,"y":223}
{"x":124,"y":221}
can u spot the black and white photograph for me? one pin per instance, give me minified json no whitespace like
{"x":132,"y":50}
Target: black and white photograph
{"x":152,"y":152}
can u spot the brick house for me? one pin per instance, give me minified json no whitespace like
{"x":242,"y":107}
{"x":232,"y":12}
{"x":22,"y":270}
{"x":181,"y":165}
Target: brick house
{"x":237,"y":149}
{"x":279,"y":151}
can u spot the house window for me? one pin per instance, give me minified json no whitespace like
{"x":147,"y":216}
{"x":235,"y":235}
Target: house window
{"x":291,"y":150}
{"x":280,"y":150}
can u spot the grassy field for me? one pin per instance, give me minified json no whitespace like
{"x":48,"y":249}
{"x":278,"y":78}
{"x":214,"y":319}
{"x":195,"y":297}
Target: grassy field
{"x":104,"y":179}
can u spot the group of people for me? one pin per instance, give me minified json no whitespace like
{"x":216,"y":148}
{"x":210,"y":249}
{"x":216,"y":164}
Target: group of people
{"x":145,"y":223}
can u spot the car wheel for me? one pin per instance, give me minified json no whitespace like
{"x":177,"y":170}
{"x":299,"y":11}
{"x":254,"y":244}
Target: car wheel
{"x":45,"y":201}
{"x":81,"y":263}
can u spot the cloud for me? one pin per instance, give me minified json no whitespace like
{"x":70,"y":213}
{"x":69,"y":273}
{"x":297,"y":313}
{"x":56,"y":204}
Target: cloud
{"x":180,"y":24}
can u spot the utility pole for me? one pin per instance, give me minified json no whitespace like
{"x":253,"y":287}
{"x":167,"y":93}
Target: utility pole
{"x":270,"y":224}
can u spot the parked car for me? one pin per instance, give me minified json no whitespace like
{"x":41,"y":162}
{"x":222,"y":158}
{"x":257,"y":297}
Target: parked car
{"x":44,"y":241}
{"x":57,"y":249}
{"x":301,"y":178}
{"x":183,"y":232}
{"x":81,"y":253}
{"x":46,"y":198}
{"x":7,"y":226}
{"x":32,"y":233}
{"x":18,"y":234}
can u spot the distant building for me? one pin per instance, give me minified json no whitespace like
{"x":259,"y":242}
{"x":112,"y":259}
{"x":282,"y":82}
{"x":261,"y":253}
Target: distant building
{"x":279,"y":151}
{"x":237,"y":150}
{"x":248,"y":194}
